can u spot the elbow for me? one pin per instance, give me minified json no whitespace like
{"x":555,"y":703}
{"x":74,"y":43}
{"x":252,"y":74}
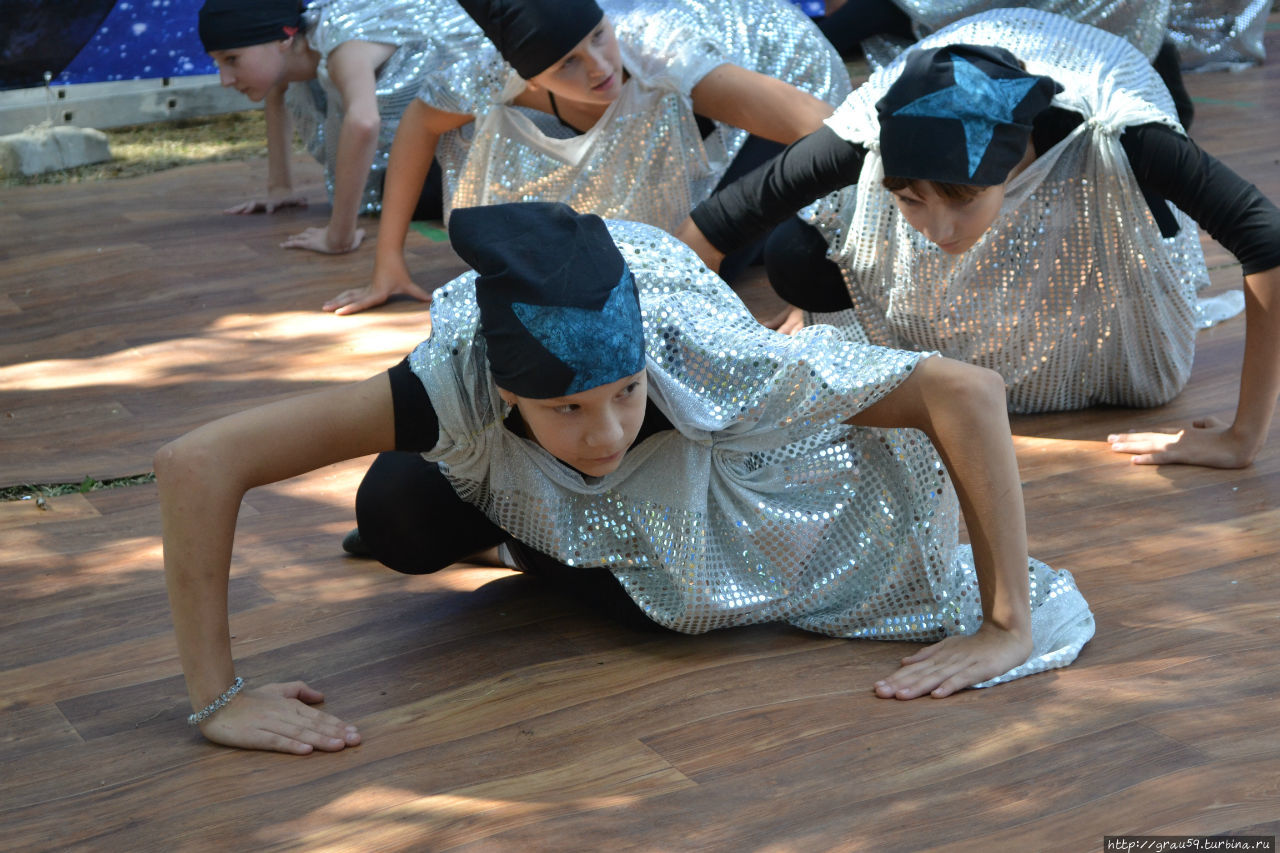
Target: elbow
{"x":185,"y":465}
{"x":173,"y":465}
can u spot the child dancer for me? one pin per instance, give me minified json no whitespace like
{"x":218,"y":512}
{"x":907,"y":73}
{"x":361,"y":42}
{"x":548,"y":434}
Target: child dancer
{"x":1039,"y":221}
{"x":636,"y":114}
{"x":601,"y":399}
{"x":364,"y":62}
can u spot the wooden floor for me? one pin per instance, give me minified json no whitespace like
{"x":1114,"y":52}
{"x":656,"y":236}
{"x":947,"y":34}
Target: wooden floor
{"x":499,"y":714}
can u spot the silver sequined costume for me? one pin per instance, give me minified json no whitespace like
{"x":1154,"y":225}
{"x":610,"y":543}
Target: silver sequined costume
{"x":759,"y":505}
{"x":1218,"y":33}
{"x":645,"y":159}
{"x":1142,"y":22}
{"x":1072,"y":295}
{"x":427,"y":34}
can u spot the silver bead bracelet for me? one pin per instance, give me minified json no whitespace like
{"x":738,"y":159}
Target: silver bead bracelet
{"x":216,"y":705}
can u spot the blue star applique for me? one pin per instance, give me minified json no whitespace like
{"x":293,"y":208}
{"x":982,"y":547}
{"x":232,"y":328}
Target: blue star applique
{"x":976,"y":101}
{"x":598,"y":346}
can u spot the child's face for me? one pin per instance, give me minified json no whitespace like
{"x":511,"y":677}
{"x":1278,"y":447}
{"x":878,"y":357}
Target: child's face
{"x":590,"y":73}
{"x":955,"y":226}
{"x":252,"y":70}
{"x":590,"y":430}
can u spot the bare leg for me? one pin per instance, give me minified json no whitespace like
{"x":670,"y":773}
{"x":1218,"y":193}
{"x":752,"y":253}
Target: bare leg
{"x":963,"y":411}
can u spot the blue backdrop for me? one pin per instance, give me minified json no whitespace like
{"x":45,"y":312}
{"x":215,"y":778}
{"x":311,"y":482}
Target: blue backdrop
{"x":94,"y":41}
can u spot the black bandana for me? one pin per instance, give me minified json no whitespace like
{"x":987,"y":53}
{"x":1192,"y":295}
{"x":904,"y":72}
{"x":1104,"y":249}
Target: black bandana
{"x":558,"y":306}
{"x":228,"y":24}
{"x":533,"y":35}
{"x":960,"y":114}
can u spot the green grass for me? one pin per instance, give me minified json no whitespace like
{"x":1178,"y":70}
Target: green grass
{"x":38,"y":492}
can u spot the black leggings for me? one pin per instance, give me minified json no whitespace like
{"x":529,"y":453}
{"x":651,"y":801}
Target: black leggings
{"x":858,"y":20}
{"x":795,"y":257}
{"x":754,"y":152}
{"x":404,"y":505}
{"x":413,"y":521}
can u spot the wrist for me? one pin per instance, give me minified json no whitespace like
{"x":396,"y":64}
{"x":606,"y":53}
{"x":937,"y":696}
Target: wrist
{"x":1247,"y":436}
{"x":1011,"y":617}
{"x":387,"y":260}
{"x":198,"y":717}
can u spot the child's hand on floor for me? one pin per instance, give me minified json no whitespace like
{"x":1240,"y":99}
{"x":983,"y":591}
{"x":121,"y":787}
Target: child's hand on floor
{"x":324,"y":241}
{"x":272,"y":203}
{"x":956,"y":663}
{"x":279,"y":718}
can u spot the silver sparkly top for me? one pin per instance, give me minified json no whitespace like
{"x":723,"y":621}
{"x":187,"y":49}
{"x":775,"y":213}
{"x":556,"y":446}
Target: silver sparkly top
{"x":1072,"y":295}
{"x":1141,"y":22}
{"x":645,"y":159}
{"x":1219,"y":33}
{"x":427,"y":34}
{"x":759,"y":505}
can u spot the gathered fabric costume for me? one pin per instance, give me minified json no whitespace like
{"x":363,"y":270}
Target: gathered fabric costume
{"x":755,"y":503}
{"x":428,"y":35}
{"x":1083,"y":291}
{"x":1215,"y":34}
{"x":646,"y":159}
{"x":1141,"y":22}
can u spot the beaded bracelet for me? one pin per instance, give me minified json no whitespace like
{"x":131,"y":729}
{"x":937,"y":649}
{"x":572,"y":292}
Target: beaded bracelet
{"x":216,"y":705}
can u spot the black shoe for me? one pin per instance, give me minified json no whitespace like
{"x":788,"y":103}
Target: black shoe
{"x":354,"y":545}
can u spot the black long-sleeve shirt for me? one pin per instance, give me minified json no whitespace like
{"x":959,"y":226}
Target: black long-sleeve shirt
{"x":1167,"y":165}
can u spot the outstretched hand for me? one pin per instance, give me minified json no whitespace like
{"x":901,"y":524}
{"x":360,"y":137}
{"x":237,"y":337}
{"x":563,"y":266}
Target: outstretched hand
{"x":384,"y":286}
{"x":279,"y":718}
{"x":270,"y":204}
{"x":955,"y":663}
{"x":321,"y":240}
{"x":1209,"y":442}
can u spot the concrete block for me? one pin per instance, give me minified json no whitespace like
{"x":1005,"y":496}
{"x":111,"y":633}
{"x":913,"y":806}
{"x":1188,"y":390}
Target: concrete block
{"x":118,"y":103}
{"x":47,"y":149}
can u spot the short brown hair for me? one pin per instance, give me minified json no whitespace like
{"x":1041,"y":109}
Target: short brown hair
{"x":950,"y":192}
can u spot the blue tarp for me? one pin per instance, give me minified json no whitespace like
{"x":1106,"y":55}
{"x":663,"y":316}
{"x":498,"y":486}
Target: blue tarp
{"x":97,"y":41}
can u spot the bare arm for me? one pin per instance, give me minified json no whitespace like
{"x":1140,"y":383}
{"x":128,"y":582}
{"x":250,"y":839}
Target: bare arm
{"x":280,"y":192}
{"x":279,"y":143}
{"x":353,"y":68}
{"x":412,"y":151}
{"x":692,"y":236}
{"x":1247,"y":224}
{"x":758,"y":104}
{"x":202,"y":478}
{"x":963,"y":411}
{"x":1212,"y":442}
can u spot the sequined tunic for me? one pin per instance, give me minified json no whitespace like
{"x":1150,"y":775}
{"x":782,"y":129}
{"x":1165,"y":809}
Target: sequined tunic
{"x":1218,"y":33}
{"x":759,"y":505}
{"x":645,"y":159}
{"x":1142,"y":22}
{"x":427,"y":35}
{"x":1072,"y":295}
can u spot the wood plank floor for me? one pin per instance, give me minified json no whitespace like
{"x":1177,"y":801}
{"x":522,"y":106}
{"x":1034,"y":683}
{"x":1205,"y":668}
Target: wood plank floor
{"x":502,"y":714}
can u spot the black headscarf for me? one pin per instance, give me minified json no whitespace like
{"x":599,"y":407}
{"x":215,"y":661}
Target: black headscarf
{"x":960,"y":114}
{"x":533,"y":35}
{"x":559,"y":310}
{"x":228,"y":24}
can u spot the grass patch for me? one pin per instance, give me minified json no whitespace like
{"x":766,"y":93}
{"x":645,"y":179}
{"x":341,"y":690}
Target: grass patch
{"x":146,"y":148}
{"x":39,"y":492}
